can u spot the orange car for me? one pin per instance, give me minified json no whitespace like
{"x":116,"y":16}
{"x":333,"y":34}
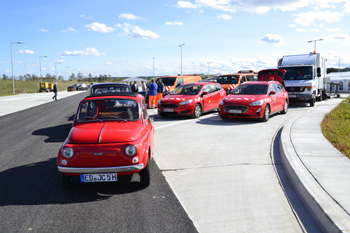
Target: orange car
{"x":230,"y":81}
{"x":171,"y":82}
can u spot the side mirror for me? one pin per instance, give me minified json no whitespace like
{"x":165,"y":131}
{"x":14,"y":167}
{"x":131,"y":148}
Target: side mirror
{"x":204,"y":93}
{"x":151,"y":119}
{"x":272,"y":92}
{"x":318,"y":70}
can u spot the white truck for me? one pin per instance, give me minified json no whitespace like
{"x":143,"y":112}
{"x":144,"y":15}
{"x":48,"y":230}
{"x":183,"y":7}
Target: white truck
{"x":303,"y":79}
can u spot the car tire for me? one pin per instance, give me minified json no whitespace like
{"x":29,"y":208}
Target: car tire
{"x":67,"y":182}
{"x":197,"y":111}
{"x":285,"y":107}
{"x":312,"y":102}
{"x":145,"y":175}
{"x":266,"y":115}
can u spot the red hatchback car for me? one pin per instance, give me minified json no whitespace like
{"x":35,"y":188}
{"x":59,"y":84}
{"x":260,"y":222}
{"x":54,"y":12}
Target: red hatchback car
{"x":258,"y":99}
{"x":192,"y":99}
{"x":111,"y":138}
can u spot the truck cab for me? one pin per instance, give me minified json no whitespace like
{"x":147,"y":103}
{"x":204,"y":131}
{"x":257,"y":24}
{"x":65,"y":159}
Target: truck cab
{"x":302,"y":79}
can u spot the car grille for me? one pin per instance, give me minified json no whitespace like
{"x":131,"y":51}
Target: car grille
{"x":235,"y":107}
{"x":295,"y":89}
{"x":169,"y":106}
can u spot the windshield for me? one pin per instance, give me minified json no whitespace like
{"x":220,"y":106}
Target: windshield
{"x":110,"y":88}
{"x":298,"y":73}
{"x":187,"y":90}
{"x":257,"y":89}
{"x":227,"y":79}
{"x":168,"y":81}
{"x":108,"y":109}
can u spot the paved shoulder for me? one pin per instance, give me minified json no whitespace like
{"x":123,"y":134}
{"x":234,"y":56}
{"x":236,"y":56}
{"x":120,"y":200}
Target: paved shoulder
{"x":318,"y":171}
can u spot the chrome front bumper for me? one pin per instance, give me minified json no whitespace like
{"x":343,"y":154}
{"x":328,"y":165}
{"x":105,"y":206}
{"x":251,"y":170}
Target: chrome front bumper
{"x":100,"y":169}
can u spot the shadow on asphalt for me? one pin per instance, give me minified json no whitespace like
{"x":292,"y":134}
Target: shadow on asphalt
{"x":40,"y":183}
{"x":55,"y":134}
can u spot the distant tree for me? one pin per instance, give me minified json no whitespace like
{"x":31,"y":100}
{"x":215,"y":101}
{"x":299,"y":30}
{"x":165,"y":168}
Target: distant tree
{"x":72,"y":77}
{"x":5,"y":77}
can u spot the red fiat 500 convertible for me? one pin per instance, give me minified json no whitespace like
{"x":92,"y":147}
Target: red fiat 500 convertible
{"x":192,"y":99}
{"x":258,"y":99}
{"x":111,"y":138}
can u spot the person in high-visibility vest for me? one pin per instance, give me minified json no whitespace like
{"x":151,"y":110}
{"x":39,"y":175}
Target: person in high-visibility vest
{"x":152,"y":94}
{"x":160,"y":90}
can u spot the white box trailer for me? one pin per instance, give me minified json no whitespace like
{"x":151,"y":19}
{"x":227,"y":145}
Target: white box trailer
{"x":303,"y":79}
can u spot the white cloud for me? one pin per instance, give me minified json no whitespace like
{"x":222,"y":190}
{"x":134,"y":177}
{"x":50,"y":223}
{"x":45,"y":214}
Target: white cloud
{"x":186,"y":4}
{"x":271,"y":39}
{"x":43,"y":30}
{"x":99,"y":27}
{"x":174,"y":23}
{"x":310,"y":18}
{"x":224,"y":17}
{"x":108,"y":63}
{"x":130,"y":17}
{"x":70,"y":29}
{"x":339,"y":37}
{"x":136,"y":31}
{"x":87,"y":17}
{"x":334,"y":30}
{"x":87,"y":52}
{"x":26,"y":51}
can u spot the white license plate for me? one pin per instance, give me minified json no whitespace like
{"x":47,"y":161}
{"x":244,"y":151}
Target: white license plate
{"x":292,"y":96}
{"x":105,"y":177}
{"x":168,"y":110}
{"x":235,"y":111}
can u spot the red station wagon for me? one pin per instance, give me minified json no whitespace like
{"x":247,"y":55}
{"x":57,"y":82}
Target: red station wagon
{"x":192,"y":99}
{"x":111,"y":138}
{"x":257,"y":99}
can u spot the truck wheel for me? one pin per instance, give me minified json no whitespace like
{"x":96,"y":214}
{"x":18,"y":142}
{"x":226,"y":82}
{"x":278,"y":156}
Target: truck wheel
{"x":197,"y":111}
{"x":312,"y":102}
{"x":266,"y":115}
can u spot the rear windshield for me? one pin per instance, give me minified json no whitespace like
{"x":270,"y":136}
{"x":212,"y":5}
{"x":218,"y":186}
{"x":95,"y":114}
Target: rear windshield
{"x":168,"y":81}
{"x":187,"y":90}
{"x":108,"y":109}
{"x":257,"y":89}
{"x":104,"y":89}
{"x":228,"y":79}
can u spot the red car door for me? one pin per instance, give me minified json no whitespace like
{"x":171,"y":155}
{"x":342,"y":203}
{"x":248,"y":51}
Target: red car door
{"x":207,"y":96}
{"x":273,"y":95}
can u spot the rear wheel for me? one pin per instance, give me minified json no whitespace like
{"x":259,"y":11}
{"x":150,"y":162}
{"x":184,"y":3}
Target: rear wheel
{"x":197,"y":111}
{"x":266,"y":115}
{"x":285,"y":107}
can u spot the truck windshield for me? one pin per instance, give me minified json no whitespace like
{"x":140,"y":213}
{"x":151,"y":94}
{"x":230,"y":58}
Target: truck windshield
{"x":168,"y":81}
{"x":227,"y":79}
{"x":298,"y":73}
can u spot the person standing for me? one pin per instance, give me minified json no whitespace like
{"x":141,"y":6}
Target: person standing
{"x":160,"y":89}
{"x":152,"y":94}
{"x":134,"y":87}
{"x":143,"y":86}
{"x":55,"y":91}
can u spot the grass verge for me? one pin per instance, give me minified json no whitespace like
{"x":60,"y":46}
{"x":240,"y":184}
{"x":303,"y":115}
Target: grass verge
{"x":336,"y":127}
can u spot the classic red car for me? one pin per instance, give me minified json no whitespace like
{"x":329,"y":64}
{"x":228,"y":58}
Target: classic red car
{"x":192,"y":99}
{"x":111,"y":138}
{"x":258,"y":99}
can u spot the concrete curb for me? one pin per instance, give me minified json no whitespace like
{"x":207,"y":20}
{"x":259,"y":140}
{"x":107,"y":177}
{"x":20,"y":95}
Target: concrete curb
{"x":326,"y":211}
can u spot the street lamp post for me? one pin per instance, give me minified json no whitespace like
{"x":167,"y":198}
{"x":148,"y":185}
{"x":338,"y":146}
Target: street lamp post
{"x":153,"y":66}
{"x":315,"y":43}
{"x":208,"y":68}
{"x":65,"y":74}
{"x":13,"y":78}
{"x":41,"y":79}
{"x":338,"y":63}
{"x":56,"y":73}
{"x":181,"y":55}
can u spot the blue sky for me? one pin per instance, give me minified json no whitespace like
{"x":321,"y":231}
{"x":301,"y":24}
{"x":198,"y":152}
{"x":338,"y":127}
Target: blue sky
{"x":129,"y":38}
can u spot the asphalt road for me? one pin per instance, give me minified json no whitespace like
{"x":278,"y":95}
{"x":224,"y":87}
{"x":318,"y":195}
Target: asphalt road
{"x":31,"y":196}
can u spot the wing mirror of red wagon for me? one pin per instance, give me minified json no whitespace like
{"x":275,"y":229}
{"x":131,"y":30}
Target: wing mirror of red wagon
{"x":204,"y":93}
{"x":272,"y":92}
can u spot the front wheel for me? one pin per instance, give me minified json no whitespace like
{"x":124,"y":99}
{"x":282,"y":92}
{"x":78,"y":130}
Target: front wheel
{"x":312,"y":102}
{"x":266,"y":115}
{"x":197,"y":111}
{"x":145,"y":175}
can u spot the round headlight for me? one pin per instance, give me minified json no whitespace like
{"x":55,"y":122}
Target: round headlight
{"x":68,"y":152}
{"x":130,"y":150}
